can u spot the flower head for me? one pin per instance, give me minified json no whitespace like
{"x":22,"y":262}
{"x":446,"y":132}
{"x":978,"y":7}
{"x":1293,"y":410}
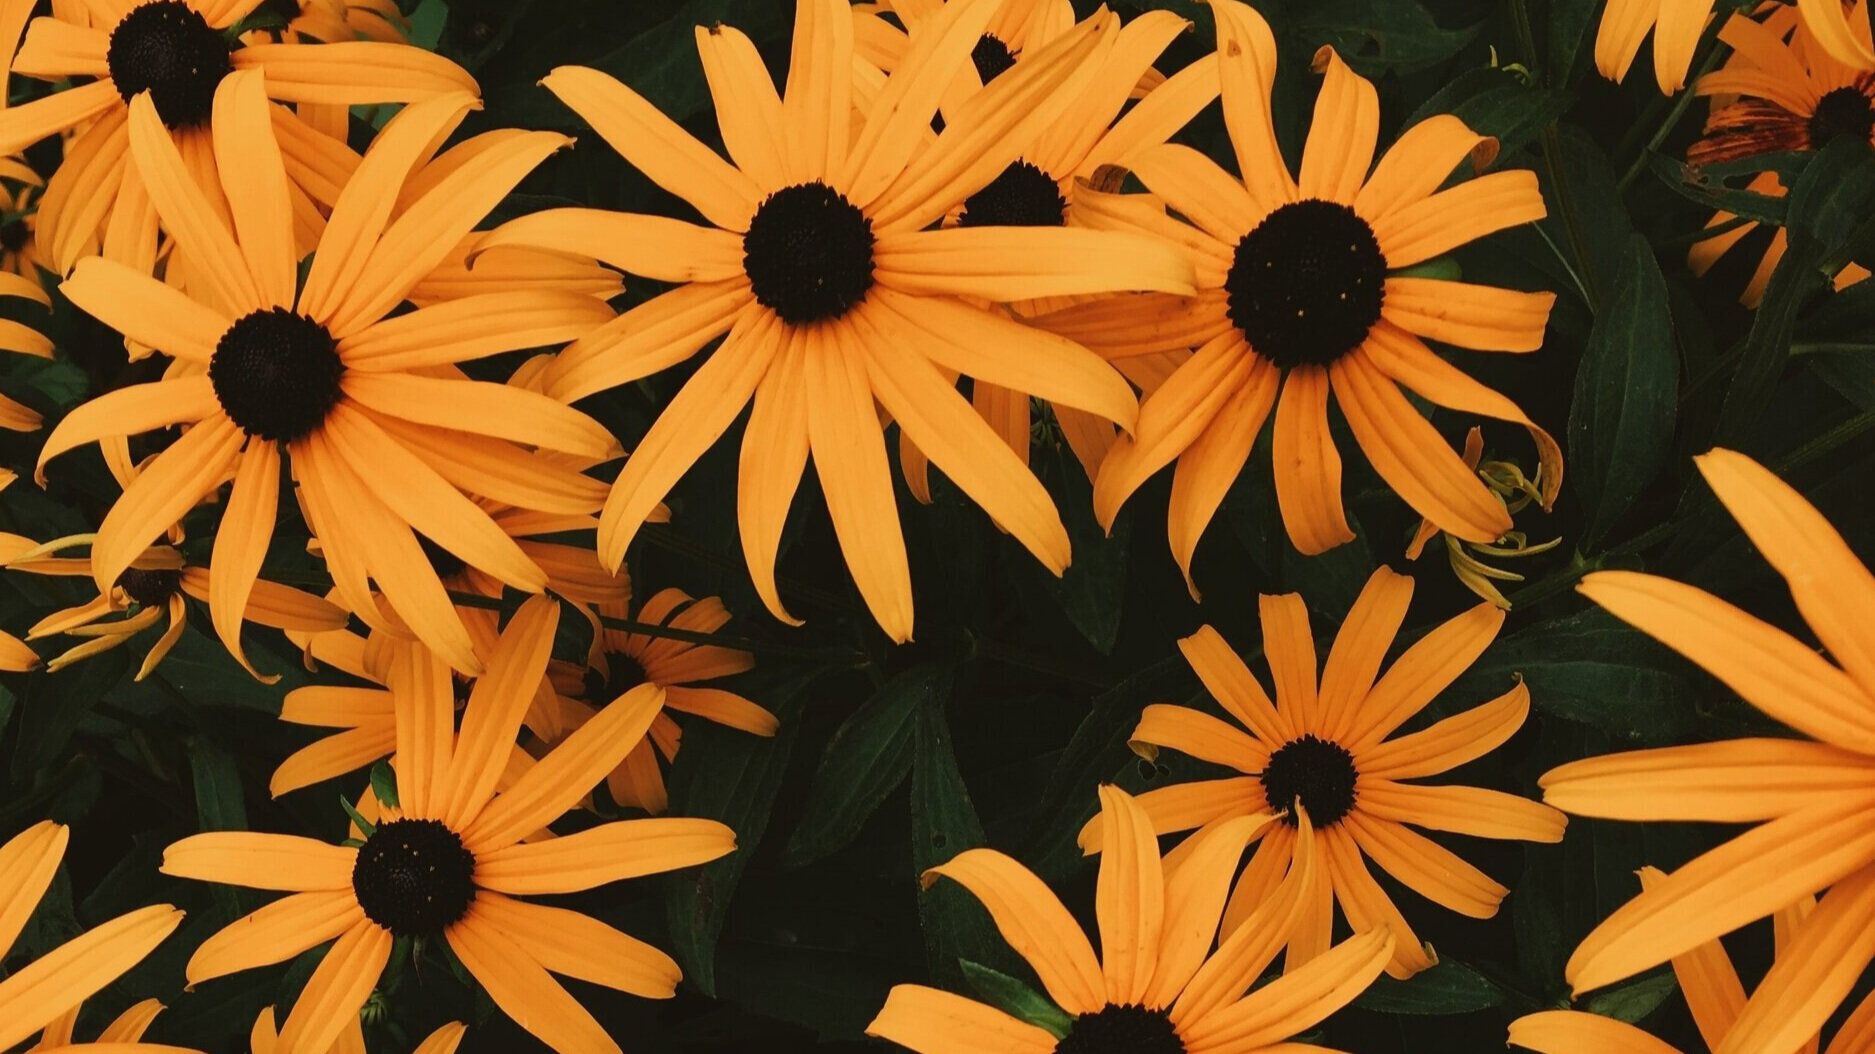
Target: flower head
{"x":1300,"y":298}
{"x":835,"y":297}
{"x":448,"y":858}
{"x":1329,"y":750}
{"x":1157,"y":986}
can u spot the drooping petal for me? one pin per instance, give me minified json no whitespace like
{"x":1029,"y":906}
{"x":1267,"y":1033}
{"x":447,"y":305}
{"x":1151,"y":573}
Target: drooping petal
{"x":275,"y":933}
{"x":522,"y":988}
{"x":931,"y":1021}
{"x":575,"y":945}
{"x":609,"y":853}
{"x":1034,"y":923}
{"x":337,"y":988}
{"x":288,"y":863}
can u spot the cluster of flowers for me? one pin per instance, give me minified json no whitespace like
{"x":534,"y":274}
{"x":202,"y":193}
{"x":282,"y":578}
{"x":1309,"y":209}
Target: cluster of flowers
{"x":938,"y":191}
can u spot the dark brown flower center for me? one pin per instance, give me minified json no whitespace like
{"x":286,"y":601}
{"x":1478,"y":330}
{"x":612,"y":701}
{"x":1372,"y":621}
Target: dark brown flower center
{"x":1122,"y":1030}
{"x":166,"y":48}
{"x":1021,"y":196}
{"x":1306,"y":283}
{"x":1843,"y":112}
{"x":276,"y":374}
{"x":414,"y":877}
{"x":13,"y":234}
{"x":808,"y":253}
{"x":150,"y":588}
{"x":991,"y":57}
{"x":1318,"y":773}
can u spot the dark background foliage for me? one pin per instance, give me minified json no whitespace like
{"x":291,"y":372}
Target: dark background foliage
{"x":1015,"y":701}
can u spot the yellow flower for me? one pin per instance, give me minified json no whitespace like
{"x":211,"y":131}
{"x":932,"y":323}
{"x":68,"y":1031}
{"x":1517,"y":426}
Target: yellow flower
{"x":175,"y":50}
{"x":1676,"y":25}
{"x":1792,"y":96}
{"x":155,"y":585}
{"x":1810,"y":799}
{"x":835,"y":297}
{"x":1332,"y":748}
{"x":383,"y":432}
{"x":1298,"y":293}
{"x":622,"y":659}
{"x":1713,"y":993}
{"x":264,"y":1038}
{"x":1157,"y":987}
{"x":39,"y":995}
{"x":448,"y":860}
{"x":334,"y":20}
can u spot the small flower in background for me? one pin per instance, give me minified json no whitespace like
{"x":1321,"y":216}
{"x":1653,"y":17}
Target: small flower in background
{"x":43,"y":994}
{"x":1301,"y":297}
{"x":445,"y":860}
{"x":622,"y":659}
{"x":836,"y":299}
{"x":21,"y":339}
{"x":152,"y":590}
{"x":1842,"y":28}
{"x":1714,"y":994}
{"x":1518,"y":492}
{"x":20,"y":187}
{"x":1157,"y":986}
{"x":1331,"y":747}
{"x":1787,"y":94}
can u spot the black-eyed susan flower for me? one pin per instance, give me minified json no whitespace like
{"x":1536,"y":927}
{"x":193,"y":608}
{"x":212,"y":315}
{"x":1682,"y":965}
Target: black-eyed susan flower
{"x":1790,"y":95}
{"x":176,"y":51}
{"x":41,"y":993}
{"x":20,"y":187}
{"x":123,"y":1035}
{"x":1331,"y":746}
{"x":1157,"y":986}
{"x":154,"y":590}
{"x":623,"y":659}
{"x":383,"y":434}
{"x":1676,"y":26}
{"x":264,"y":1038}
{"x":1713,"y":993}
{"x":1467,"y":559}
{"x":1299,"y":300}
{"x":447,"y":860}
{"x":1808,"y":799}
{"x":835,"y":298}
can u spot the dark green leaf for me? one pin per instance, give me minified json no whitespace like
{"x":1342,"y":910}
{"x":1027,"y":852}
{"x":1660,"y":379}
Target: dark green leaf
{"x":1701,"y":187}
{"x":1377,"y":36}
{"x":1621,"y":422}
{"x":1450,"y":987}
{"x":1016,"y":999}
{"x":869,"y":756}
{"x":1496,"y":102}
{"x":384,"y":784}
{"x":218,"y":801}
{"x":730,"y":776}
{"x":1635,"y":1000}
{"x":1829,"y":207}
{"x":943,"y":824}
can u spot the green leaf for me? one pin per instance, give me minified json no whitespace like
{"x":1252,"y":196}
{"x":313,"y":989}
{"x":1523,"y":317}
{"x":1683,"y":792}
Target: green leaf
{"x":869,"y":756}
{"x":1592,"y":668}
{"x":1450,"y":987}
{"x":1496,"y":102}
{"x":1379,"y":36}
{"x":219,"y":805}
{"x":730,"y":776}
{"x":358,"y":819}
{"x":943,"y":824}
{"x":1635,"y":1000}
{"x":384,"y":784}
{"x":1621,"y":421}
{"x":1830,"y":205}
{"x":1090,"y":591}
{"x":1702,"y":187}
{"x":1016,"y":999}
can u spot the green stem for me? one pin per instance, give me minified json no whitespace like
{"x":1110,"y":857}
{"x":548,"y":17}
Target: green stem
{"x":1680,"y":103}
